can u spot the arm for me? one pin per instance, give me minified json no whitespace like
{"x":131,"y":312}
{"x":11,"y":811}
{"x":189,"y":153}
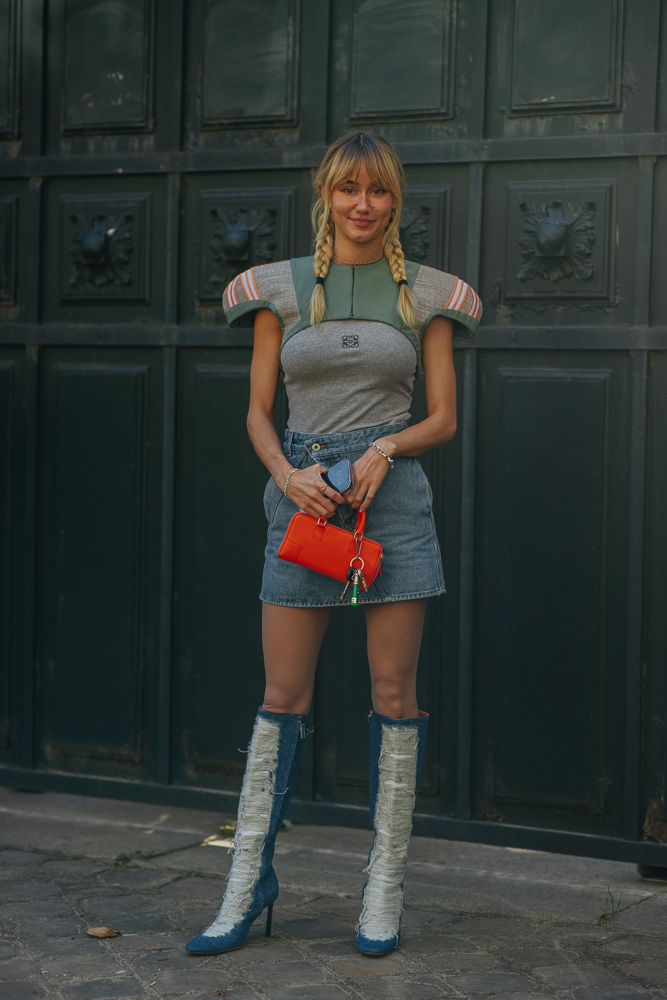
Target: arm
{"x":439,"y":426}
{"x":305,"y":488}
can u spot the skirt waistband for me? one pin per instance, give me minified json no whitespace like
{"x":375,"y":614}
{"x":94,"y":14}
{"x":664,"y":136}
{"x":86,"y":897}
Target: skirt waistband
{"x":324,"y":446}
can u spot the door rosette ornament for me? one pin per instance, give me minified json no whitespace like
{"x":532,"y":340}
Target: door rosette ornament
{"x":242,"y":237}
{"x":557,"y":240}
{"x":414,"y":231}
{"x":102,"y":250}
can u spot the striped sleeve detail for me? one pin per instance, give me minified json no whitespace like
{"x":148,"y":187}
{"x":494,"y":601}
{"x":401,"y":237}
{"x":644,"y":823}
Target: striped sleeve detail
{"x":440,"y":294}
{"x":263,"y":286}
{"x":243,"y":288}
{"x":463,"y":298}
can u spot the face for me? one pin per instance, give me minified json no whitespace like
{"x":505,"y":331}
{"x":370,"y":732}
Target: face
{"x":361,"y":211}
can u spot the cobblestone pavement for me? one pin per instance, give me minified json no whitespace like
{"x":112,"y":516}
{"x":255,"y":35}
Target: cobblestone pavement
{"x":480,"y":922}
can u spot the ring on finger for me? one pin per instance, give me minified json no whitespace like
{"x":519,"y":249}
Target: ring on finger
{"x":323,"y":487}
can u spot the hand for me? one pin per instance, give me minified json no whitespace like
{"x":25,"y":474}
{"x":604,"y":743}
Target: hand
{"x":309,"y":492}
{"x":368,"y":472}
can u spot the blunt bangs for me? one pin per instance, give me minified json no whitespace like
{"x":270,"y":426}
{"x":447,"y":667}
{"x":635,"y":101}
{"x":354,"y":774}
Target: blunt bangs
{"x":365,"y":150}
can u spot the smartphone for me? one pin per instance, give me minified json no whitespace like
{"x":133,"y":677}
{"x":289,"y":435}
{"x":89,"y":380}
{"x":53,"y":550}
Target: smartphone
{"x":339,"y":476}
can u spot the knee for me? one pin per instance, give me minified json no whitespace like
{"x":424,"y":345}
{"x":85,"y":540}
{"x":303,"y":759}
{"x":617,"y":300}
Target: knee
{"x":285,"y":702}
{"x":394,"y":699}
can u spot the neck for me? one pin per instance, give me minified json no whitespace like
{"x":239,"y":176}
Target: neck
{"x":357,"y":255}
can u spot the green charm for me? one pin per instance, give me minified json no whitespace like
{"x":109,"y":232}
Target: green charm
{"x":355,"y":589}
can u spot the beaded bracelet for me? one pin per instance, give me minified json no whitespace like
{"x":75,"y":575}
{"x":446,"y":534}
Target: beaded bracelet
{"x":389,"y":459}
{"x":289,"y":476}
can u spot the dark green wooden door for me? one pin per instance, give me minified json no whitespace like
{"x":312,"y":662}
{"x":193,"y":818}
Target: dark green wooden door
{"x":148,"y":153}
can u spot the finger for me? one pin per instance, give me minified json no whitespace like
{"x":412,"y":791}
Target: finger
{"x":368,"y":499}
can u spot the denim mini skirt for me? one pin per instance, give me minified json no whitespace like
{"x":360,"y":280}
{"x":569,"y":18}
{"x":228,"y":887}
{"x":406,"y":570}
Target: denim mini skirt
{"x":400,"y":518}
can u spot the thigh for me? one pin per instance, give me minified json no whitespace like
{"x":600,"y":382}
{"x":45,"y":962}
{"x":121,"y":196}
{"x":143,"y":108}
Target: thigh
{"x":291,"y":638}
{"x":394,"y":633}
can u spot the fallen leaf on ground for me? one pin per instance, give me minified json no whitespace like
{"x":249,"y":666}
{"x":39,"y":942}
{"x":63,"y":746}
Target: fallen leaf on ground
{"x":102,"y":932}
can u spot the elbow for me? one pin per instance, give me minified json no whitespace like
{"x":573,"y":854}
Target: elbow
{"x":447,"y":429}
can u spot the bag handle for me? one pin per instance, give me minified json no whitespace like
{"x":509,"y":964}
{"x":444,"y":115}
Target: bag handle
{"x":361,"y":524}
{"x":358,"y":528}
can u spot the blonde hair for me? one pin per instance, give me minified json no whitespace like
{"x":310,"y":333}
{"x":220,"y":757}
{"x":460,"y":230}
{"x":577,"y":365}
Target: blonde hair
{"x":342,"y":161}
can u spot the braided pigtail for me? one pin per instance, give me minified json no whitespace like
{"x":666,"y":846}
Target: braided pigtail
{"x":341,"y":163}
{"x":393,"y":251}
{"x":323,"y":253}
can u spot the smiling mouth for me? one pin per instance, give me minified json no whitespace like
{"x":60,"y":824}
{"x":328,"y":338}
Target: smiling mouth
{"x":362,"y":222}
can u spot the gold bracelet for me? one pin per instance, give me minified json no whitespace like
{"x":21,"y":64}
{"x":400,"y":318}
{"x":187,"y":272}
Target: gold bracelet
{"x":377,"y":448}
{"x":289,"y":476}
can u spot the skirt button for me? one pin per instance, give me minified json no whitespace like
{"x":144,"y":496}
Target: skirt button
{"x":315,"y":447}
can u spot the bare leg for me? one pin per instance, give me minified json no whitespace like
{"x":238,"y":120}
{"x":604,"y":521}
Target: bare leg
{"x":394,"y":634}
{"x":291,"y":638}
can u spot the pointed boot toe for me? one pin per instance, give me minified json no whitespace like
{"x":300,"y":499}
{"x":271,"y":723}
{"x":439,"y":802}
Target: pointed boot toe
{"x":377,"y":948}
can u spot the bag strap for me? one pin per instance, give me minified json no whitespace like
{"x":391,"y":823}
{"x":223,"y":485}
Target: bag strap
{"x":360,"y":525}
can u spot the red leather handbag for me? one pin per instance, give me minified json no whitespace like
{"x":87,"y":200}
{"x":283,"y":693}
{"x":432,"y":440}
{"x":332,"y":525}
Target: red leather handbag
{"x":314,"y":543}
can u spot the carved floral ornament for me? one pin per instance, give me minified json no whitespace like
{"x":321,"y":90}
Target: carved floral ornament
{"x":242,"y":237}
{"x":557,"y":240}
{"x":414,"y":232}
{"x":102,"y":250}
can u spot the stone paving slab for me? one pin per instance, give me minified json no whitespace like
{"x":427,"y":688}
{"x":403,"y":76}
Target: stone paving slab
{"x":481,"y":922}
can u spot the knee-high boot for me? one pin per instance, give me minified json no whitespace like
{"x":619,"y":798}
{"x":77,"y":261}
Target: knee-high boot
{"x":274,"y":757}
{"x":396,"y":750}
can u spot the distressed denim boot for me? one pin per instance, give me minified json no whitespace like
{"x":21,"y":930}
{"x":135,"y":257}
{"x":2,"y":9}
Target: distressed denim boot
{"x":396,"y":751}
{"x":274,"y":757}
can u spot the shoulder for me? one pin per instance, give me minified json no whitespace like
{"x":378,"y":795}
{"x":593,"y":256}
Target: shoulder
{"x":266,"y":286}
{"x":438,"y":293}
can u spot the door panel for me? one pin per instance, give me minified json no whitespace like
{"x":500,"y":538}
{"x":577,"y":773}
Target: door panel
{"x":552,"y":517}
{"x":219,"y":535}
{"x":100,"y":459}
{"x":9,"y":77}
{"x":255,"y":73}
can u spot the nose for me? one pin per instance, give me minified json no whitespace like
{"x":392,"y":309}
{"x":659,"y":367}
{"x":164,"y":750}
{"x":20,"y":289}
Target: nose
{"x":363,"y":202}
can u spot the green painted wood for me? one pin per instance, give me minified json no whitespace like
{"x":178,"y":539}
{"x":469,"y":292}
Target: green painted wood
{"x":8,"y":513}
{"x":9,"y":76}
{"x":139,"y":170}
{"x":217,"y":657}
{"x":652,"y":816}
{"x":99,"y":483}
{"x":108,"y":84}
{"x":551,"y":586}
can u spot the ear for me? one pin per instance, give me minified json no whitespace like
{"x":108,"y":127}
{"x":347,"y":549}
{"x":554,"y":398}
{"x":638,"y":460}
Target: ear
{"x":320,"y":188}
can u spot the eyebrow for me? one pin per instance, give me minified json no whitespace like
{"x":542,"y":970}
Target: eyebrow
{"x":372,"y":184}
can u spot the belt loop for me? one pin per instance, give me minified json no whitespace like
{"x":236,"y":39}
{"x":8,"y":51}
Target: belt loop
{"x":289,"y":437}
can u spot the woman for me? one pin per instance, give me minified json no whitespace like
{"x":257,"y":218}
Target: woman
{"x":349,"y":327}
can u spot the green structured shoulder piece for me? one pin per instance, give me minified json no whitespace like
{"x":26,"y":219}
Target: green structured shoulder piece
{"x":360,"y":292}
